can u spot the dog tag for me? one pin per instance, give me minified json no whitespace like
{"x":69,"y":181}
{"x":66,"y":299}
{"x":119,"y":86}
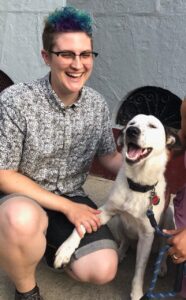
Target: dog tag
{"x":155,"y":200}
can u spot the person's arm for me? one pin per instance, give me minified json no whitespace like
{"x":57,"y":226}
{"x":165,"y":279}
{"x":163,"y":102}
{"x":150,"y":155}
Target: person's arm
{"x":112,"y":162}
{"x":79,"y":214}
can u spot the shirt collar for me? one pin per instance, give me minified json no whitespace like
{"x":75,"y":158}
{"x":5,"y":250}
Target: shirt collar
{"x":55,"y":101}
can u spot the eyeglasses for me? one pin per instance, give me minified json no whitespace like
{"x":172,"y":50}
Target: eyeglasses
{"x":70,"y":55}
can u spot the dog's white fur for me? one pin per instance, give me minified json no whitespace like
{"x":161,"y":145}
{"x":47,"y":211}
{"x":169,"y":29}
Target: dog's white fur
{"x":129,"y":204}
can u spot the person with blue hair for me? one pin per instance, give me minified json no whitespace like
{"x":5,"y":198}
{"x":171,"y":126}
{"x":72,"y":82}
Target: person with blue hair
{"x":51,"y":130}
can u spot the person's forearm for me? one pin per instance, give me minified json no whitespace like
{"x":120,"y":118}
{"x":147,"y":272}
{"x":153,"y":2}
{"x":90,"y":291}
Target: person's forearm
{"x":78,"y":214}
{"x":112,"y":162}
{"x":14,"y":182}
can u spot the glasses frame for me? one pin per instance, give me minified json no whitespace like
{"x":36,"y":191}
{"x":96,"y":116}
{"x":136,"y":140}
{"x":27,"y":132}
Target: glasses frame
{"x":58,"y":53}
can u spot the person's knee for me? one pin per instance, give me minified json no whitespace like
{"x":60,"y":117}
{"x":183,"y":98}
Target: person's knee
{"x":22,"y":215}
{"x":106,"y":272}
{"x":98,"y":268}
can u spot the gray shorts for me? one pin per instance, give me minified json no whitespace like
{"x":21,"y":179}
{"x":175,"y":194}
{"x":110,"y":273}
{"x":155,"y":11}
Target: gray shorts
{"x":59,"y":229}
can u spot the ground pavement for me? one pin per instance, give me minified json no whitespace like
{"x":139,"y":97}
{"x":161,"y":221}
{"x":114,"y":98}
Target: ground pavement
{"x":58,"y":286}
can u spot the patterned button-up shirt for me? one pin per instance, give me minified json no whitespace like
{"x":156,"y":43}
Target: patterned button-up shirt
{"x":52,"y":144}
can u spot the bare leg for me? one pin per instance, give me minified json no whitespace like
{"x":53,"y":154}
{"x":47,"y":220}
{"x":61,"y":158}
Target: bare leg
{"x":23,"y":224}
{"x":98,"y":267}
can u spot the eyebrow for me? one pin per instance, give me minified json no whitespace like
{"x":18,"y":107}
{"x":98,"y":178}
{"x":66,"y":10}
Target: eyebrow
{"x":88,"y":50}
{"x":72,"y":52}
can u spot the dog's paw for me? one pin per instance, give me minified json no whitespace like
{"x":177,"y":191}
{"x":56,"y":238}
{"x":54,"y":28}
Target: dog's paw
{"x":136,"y":292}
{"x":65,"y":251}
{"x":63,"y":255}
{"x":136,"y":295}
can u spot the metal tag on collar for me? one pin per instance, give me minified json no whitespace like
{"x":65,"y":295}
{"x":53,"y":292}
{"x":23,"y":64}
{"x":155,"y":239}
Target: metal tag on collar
{"x":154,"y":199}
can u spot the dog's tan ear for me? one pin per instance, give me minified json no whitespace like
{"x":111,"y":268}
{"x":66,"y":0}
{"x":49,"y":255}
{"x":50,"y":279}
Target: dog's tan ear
{"x":172,"y":138}
{"x":120,"y":139}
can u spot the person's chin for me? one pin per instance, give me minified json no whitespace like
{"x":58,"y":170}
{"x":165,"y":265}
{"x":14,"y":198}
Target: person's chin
{"x":74,"y":88}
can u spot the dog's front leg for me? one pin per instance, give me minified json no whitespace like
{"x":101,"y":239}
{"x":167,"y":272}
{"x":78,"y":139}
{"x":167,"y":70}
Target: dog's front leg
{"x":143,"y":251}
{"x":106,"y":214}
{"x":65,"y":251}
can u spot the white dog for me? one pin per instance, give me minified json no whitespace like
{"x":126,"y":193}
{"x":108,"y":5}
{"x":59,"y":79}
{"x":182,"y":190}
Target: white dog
{"x":139,"y":185}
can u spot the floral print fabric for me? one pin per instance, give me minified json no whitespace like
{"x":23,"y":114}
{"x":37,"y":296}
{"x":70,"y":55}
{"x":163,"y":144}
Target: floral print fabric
{"x":52,"y":144}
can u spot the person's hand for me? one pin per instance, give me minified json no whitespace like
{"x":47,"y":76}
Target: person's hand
{"x":81,"y":214}
{"x":177,"y":251}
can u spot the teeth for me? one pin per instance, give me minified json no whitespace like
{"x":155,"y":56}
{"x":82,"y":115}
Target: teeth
{"x":74,"y":75}
{"x":145,"y":151}
{"x":135,"y":157}
{"x":131,"y":158}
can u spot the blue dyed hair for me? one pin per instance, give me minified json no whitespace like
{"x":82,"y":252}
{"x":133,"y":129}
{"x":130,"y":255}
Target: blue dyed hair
{"x":67,"y":19}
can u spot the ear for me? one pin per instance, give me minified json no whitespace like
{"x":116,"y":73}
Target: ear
{"x":120,"y":139}
{"x":45,"y":56}
{"x":170,"y":141}
{"x":172,"y":138}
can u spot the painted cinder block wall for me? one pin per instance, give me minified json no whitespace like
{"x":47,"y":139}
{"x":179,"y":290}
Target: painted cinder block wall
{"x":140,"y":42}
{"x":21,"y":24}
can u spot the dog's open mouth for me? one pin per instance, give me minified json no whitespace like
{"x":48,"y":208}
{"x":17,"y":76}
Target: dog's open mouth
{"x":135,"y":153}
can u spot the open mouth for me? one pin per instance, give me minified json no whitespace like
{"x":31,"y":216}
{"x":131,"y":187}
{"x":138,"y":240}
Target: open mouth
{"x":135,"y":153}
{"x":74,"y":75}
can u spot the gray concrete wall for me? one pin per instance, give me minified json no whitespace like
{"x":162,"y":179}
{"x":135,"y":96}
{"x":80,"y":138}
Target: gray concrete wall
{"x":20,"y":37}
{"x":141,"y":42}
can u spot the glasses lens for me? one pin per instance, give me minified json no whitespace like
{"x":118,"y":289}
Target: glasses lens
{"x":70,"y":55}
{"x":67,"y":54}
{"x":86,"y":55}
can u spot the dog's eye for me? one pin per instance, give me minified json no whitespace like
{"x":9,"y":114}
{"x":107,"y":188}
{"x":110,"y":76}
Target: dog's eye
{"x":152,"y":125}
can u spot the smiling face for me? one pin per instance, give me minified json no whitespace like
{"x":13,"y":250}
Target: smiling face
{"x":68,"y":75}
{"x":143,"y":135}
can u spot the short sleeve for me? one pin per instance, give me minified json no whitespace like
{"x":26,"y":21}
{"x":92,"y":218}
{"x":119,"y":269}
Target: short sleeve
{"x":107,"y":143}
{"x":12,"y":127}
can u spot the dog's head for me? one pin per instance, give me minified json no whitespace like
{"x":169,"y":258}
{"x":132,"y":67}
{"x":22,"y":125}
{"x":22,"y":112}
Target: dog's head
{"x":143,"y":137}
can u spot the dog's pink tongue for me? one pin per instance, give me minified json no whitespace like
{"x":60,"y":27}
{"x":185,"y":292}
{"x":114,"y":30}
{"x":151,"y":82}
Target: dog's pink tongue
{"x":134,"y":152}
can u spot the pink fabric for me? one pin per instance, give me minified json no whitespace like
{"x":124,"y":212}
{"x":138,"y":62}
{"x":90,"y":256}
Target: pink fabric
{"x":180,"y":208}
{"x":180,"y":219}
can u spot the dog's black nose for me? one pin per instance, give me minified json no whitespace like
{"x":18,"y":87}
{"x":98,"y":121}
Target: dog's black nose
{"x":132,"y":131}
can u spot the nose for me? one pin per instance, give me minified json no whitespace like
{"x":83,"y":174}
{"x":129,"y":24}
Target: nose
{"x":133,"y":131}
{"x":76,"y":63}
